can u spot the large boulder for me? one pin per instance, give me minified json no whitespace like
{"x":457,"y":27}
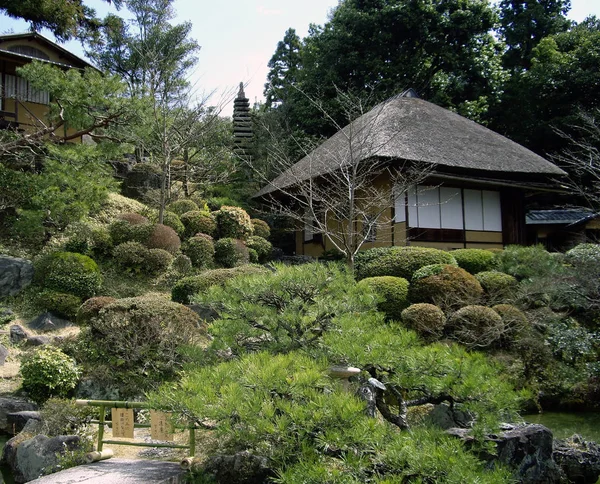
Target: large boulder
{"x":12,"y":405}
{"x":15,"y":275}
{"x":17,"y":334}
{"x":240,"y":468}
{"x":48,"y":322}
{"x":445,"y":417}
{"x":578,"y":459}
{"x":16,"y":421}
{"x":29,"y":459}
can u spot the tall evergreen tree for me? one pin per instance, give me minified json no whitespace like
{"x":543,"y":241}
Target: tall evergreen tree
{"x":284,"y":65}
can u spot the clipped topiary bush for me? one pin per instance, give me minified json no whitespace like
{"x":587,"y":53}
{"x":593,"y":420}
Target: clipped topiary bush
{"x":59,"y":303}
{"x":179,"y":207}
{"x":91,"y":307}
{"x":215,"y":203}
{"x":364,"y":257}
{"x":233,"y":222}
{"x":231,"y":252}
{"x":393,"y":291}
{"x":474,"y":260}
{"x":515,"y":323}
{"x":497,"y":283}
{"x":182,"y":264}
{"x":401,"y":261}
{"x":122,"y":231}
{"x":157,"y":261}
{"x":68,"y":272}
{"x":261,"y":228}
{"x":131,"y":256}
{"x":476,"y":326}
{"x":170,"y":219}
{"x":199,"y":222}
{"x":252,"y":256}
{"x":200,"y":249}
{"x":426,"y":319}
{"x":450,"y":287}
{"x":426,"y":271}
{"x":163,"y":237}
{"x":133,"y":218}
{"x":262,"y":247}
{"x":185,"y":288}
{"x":48,"y":372}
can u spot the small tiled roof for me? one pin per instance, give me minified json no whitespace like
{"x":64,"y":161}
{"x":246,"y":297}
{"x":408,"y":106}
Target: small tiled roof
{"x":559,"y":217}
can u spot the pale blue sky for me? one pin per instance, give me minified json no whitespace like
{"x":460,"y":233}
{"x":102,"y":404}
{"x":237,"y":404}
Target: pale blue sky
{"x":238,"y":37}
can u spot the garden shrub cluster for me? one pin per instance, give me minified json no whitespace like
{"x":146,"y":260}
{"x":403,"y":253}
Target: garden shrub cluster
{"x":393,"y":292}
{"x":231,"y":252}
{"x":200,"y":249}
{"x":137,"y":258}
{"x":68,"y":272}
{"x":179,"y":207}
{"x":91,"y":308}
{"x":233,"y":222}
{"x":426,"y":319}
{"x":199,"y":222}
{"x":451,"y":286}
{"x":476,"y":326}
{"x":163,"y":237}
{"x":497,"y":283}
{"x":262,"y":247}
{"x":527,"y":262}
{"x":260,"y":228}
{"x":62,"y":304}
{"x":474,"y":260}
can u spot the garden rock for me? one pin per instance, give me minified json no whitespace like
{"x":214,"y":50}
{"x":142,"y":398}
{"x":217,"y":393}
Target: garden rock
{"x":37,"y":341}
{"x":578,"y":459}
{"x":90,"y":389}
{"x":31,"y":458}
{"x":445,"y":417}
{"x":205,"y":312}
{"x":12,"y":405}
{"x":48,"y":322}
{"x":17,"y":334}
{"x":15,"y":275}
{"x":240,"y":468}
{"x":3,"y":354}
{"x":16,"y":421}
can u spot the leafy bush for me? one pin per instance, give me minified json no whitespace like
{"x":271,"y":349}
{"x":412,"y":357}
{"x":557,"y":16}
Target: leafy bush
{"x":170,"y":219}
{"x":367,"y":256}
{"x":185,"y":288}
{"x":133,"y":218}
{"x":116,"y":204}
{"x":200,"y":249}
{"x":426,"y":271}
{"x":262,"y":247}
{"x":233,"y":222}
{"x":131,"y":256}
{"x":122,"y":231}
{"x":139,"y":338}
{"x":59,"y":303}
{"x":163,"y":237}
{"x":583,"y":254}
{"x":476,"y":326}
{"x":252,"y":256}
{"x":68,"y":272}
{"x":392,"y":290}
{"x":451,"y":287}
{"x":90,"y":308}
{"x":215,"y":203}
{"x":474,"y":260}
{"x":497,"y":283}
{"x":48,"y":372}
{"x":182,"y":264}
{"x":261,"y":228}
{"x":515,"y":323}
{"x":402,"y":261}
{"x":426,"y":319}
{"x":199,"y":222}
{"x":157,"y":261}
{"x":231,"y":252}
{"x":179,"y":207}
{"x":527,"y":262}
{"x":64,"y":417}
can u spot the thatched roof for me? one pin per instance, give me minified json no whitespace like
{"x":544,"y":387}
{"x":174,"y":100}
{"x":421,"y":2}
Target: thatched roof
{"x":409,"y":128}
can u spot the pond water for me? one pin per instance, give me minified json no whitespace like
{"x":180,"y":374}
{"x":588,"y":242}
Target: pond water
{"x":4,"y":472}
{"x":565,"y":424}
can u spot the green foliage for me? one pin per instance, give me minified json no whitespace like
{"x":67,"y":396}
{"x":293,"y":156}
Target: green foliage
{"x":179,"y":207}
{"x":116,"y":204}
{"x":583,"y":254}
{"x":133,"y":218}
{"x":48,"y":372}
{"x":215,"y":203}
{"x":122,"y":231}
{"x":199,"y":222}
{"x":157,"y":261}
{"x":252,"y":256}
{"x":170,"y":219}
{"x":365,"y":257}
{"x":426,"y":271}
{"x":182,"y":264}
{"x":527,"y":262}
{"x":516,"y":324}
{"x":63,"y":417}
{"x":497,"y":283}
{"x":426,"y":319}
{"x":91,"y":308}
{"x":572,"y":343}
{"x":200,"y":249}
{"x":262,"y":247}
{"x":231,"y":252}
{"x":163,"y":237}
{"x":261,"y":228}
{"x":135,"y":257}
{"x":59,"y":303}
{"x":474,"y":260}
{"x":476,"y":326}
{"x":187,"y":287}
{"x":451,"y":287}
{"x":233,"y":222}
{"x":138,"y":338}
{"x":68,"y":272}
{"x":393,"y":294}
{"x":401,"y":261}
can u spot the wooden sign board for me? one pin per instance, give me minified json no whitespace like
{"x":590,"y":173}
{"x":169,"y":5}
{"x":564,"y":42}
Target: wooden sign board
{"x":122,"y":422}
{"x":160,"y":426}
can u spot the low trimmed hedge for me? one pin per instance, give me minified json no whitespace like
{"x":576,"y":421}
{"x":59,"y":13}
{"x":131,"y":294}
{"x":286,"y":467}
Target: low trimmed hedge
{"x":497,"y":283}
{"x":179,"y":207}
{"x":474,"y":260}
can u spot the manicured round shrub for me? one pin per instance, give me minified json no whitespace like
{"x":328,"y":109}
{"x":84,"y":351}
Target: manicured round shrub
{"x":101,"y":242}
{"x":497,"y":283}
{"x":451,"y":287}
{"x":426,"y":319}
{"x":252,"y":256}
{"x":393,"y":290}
{"x":163,"y":237}
{"x":185,"y":288}
{"x":474,"y":260}
{"x":403,"y":262}
{"x":261,"y":228}
{"x":68,"y":272}
{"x":476,"y":326}
{"x":133,"y":218}
{"x":179,"y":207}
{"x":231,"y":252}
{"x":91,"y":307}
{"x":262,"y":247}
{"x":157,"y":261}
{"x":170,"y":219}
{"x":583,"y":254}
{"x":200,"y":249}
{"x":182,"y":264}
{"x":199,"y":222}
{"x":48,"y":373}
{"x":515,"y":323}
{"x":122,"y":231}
{"x":233,"y":222}
{"x":426,"y":271}
{"x":365,"y":257}
{"x":131,"y":256}
{"x":59,"y":303}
